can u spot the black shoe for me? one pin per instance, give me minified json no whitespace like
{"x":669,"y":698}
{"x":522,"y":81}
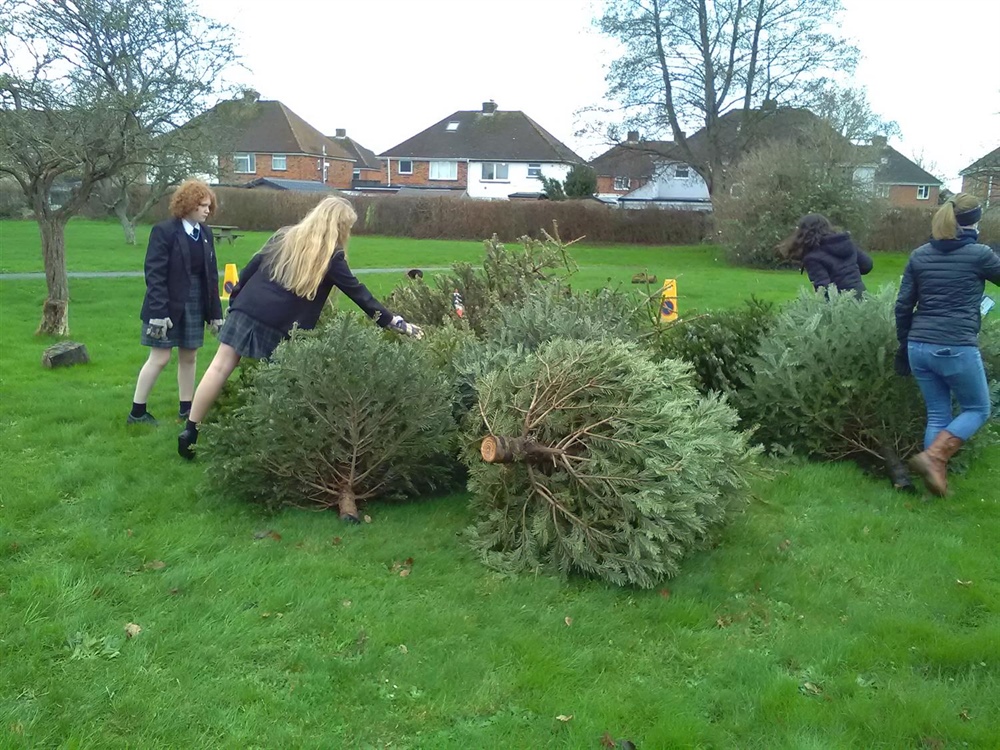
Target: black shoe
{"x":146,"y":418}
{"x":185,"y":443}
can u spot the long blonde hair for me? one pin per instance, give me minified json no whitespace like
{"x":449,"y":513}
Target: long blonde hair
{"x":944,"y":225}
{"x":302,"y":254}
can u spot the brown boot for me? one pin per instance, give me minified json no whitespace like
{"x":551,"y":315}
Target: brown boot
{"x":932,"y":464}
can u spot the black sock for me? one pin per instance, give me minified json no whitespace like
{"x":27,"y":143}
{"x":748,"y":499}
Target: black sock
{"x":192,"y":429}
{"x":138,"y":409}
{"x":185,"y":407}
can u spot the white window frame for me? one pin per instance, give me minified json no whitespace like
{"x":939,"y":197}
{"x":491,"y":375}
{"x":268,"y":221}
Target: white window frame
{"x":923,"y":192}
{"x":401,"y":162}
{"x":682,"y":171}
{"x":535,"y":169}
{"x":622,"y":183}
{"x":450,"y":168}
{"x":251,"y":161}
{"x":493,"y":174}
{"x":452,"y":126}
{"x":275,"y":159}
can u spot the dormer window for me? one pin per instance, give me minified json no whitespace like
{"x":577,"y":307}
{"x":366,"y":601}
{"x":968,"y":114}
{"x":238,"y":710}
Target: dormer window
{"x":452,"y":127}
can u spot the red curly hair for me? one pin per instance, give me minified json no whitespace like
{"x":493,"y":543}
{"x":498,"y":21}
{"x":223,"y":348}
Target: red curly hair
{"x":188,"y":196}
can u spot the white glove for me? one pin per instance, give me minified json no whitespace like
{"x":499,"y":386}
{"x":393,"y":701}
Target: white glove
{"x":158,"y":327}
{"x":214,"y":326}
{"x":401,"y":326}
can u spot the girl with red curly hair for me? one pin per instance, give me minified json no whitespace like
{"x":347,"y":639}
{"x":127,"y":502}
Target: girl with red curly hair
{"x":182,"y":296}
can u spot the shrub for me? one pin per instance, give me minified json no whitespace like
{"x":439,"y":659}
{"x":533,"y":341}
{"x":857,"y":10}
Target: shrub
{"x":581,"y":182}
{"x":900,"y":229}
{"x":608,"y":463}
{"x":824,"y":384}
{"x":773,"y":188}
{"x":720,"y":345}
{"x":340,"y":415}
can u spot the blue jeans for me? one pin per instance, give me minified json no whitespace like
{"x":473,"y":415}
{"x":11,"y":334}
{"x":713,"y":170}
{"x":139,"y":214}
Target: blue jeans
{"x":946,"y":371}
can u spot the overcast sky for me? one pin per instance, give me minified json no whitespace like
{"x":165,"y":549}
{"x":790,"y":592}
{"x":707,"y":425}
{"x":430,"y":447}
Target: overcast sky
{"x":387,"y":69}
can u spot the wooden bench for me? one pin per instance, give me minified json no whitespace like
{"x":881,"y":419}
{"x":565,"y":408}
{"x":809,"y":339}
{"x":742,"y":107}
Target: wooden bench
{"x":223,"y":233}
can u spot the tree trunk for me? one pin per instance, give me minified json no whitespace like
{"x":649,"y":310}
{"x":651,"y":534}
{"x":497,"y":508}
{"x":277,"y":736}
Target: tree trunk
{"x":496,"y":449}
{"x":55,"y":311}
{"x":128,"y":225}
{"x":348,"y":507}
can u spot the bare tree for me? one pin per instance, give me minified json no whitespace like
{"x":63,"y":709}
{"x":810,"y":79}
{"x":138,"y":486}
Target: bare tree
{"x":848,"y":111}
{"x":85,"y":86}
{"x":687,"y":63}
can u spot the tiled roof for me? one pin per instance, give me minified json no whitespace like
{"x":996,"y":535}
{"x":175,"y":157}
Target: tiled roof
{"x":990,"y":161}
{"x":499,"y":136}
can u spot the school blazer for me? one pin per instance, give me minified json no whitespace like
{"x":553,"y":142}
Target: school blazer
{"x":168,"y":273}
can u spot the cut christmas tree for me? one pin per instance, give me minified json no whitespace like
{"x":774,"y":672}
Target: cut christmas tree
{"x":592,"y":457}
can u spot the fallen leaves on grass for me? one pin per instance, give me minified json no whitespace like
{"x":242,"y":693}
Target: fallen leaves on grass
{"x":267,"y":533}
{"x":784,"y":545}
{"x":568,"y":621}
{"x":368,"y":519}
{"x":155,"y":565}
{"x":810,"y":688}
{"x":607,"y":740}
{"x":960,"y":582}
{"x":402,"y":568}
{"x":132,"y":630}
{"x":336,"y":540}
{"x":564,"y":718}
{"x":964,"y":715}
{"x":665,"y":593}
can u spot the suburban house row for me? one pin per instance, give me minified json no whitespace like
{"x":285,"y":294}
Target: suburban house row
{"x":495,"y":154}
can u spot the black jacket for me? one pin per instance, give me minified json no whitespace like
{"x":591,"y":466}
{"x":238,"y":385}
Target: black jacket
{"x":267,"y":301}
{"x":837,"y":260}
{"x":168,"y":273}
{"x":942,"y":291}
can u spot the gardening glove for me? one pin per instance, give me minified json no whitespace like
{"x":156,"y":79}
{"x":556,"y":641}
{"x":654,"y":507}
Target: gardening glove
{"x":902,"y":361}
{"x":158,"y":327}
{"x":214,"y":326}
{"x":401,"y":326}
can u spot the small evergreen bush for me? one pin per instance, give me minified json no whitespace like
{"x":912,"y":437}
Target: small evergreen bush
{"x":616,"y":467}
{"x":340,"y":415}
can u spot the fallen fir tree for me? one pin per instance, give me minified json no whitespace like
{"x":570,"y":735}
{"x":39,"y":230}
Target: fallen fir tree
{"x":592,"y":457}
{"x":339,"y":416}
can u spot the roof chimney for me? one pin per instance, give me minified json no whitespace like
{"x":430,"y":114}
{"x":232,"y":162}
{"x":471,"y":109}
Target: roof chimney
{"x":489,"y":107}
{"x":633,"y":136}
{"x":769,"y":105}
{"x":880,"y":141}
{"x":340,"y":133}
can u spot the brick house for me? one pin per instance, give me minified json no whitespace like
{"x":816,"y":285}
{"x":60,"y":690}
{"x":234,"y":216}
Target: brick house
{"x":271,"y":141}
{"x":893,"y":176}
{"x":982,"y":178}
{"x":367,"y":167}
{"x":484,"y":153}
{"x":629,"y":165}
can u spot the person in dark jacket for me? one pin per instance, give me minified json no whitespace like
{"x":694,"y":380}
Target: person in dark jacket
{"x":829,"y":257}
{"x":937,"y":324}
{"x":182,"y":296}
{"x":285,"y":285}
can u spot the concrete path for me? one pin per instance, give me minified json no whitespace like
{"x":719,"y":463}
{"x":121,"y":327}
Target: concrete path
{"x":139,"y":274}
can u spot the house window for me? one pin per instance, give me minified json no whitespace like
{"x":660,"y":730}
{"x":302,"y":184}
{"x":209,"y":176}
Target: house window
{"x":682,"y":171}
{"x":452,"y":127}
{"x":279,"y":162}
{"x":495,"y":170}
{"x":622,"y":183}
{"x":405,"y":166}
{"x":444,"y":170}
{"x":534,"y":170}
{"x":244,"y":163}
{"x":923,"y":192}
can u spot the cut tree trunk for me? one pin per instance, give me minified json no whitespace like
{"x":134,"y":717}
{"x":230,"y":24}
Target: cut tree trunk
{"x":496,"y":449}
{"x":55,"y":310}
{"x":348,"y":506}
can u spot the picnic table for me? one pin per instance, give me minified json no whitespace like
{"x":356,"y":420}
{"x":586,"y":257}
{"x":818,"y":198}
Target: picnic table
{"x":225,"y":233}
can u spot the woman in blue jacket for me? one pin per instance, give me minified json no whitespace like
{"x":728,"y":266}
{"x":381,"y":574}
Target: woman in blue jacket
{"x":829,"y":257}
{"x":283,"y":286}
{"x":937,"y":324}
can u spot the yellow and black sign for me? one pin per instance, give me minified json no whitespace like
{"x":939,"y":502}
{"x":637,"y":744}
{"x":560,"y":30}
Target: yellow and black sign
{"x":668,"y":301}
{"x":230,"y":280}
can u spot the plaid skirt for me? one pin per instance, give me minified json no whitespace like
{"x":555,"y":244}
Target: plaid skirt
{"x":189,"y":331}
{"x":249,"y":337}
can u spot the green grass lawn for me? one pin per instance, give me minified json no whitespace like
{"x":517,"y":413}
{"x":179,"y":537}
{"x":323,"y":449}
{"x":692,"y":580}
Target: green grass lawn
{"x":834,"y":613}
